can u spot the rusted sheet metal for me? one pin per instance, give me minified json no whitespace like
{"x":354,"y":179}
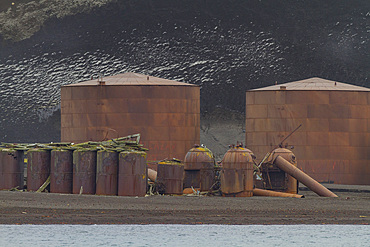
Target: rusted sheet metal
{"x":334,"y":134}
{"x":237,"y":172}
{"x":170,"y":176}
{"x":166,"y":114}
{"x":107,"y":173}
{"x":303,"y":177}
{"x":38,"y":168}
{"x":84,"y":171}
{"x":61,"y":171}
{"x":199,"y":165}
{"x":11,"y":169}
{"x":132,"y":177}
{"x":152,"y":175}
{"x":275,"y":178}
{"x":261,"y":192}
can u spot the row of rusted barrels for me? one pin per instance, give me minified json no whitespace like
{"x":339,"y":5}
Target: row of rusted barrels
{"x":82,"y":171}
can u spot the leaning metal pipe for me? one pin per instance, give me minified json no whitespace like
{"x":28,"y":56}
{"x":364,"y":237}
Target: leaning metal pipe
{"x":152,"y":175}
{"x":302,"y":177}
{"x":261,"y":192}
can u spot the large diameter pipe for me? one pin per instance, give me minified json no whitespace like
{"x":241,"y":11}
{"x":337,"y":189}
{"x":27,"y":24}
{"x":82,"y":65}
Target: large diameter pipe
{"x":152,"y":175}
{"x":261,"y":192}
{"x":302,"y":177}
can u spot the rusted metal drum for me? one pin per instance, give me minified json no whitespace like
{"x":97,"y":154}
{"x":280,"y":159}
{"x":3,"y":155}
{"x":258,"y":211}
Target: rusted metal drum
{"x":11,"y":169}
{"x":237,"y":173}
{"x":291,"y":183}
{"x":170,"y":177}
{"x":276,"y":179}
{"x":107,"y":173}
{"x":61,"y":171}
{"x":84,"y":171}
{"x":38,"y":168}
{"x":132,"y":177}
{"x":199,"y":169}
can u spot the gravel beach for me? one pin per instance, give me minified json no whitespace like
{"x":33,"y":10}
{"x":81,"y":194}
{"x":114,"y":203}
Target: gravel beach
{"x":48,"y":208}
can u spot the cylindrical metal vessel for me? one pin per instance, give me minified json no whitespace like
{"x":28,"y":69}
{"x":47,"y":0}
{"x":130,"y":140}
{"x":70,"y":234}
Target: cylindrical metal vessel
{"x":303,"y":177}
{"x":84,"y":171}
{"x":61,"y":171}
{"x":171,"y":177}
{"x":199,"y":170}
{"x":132,"y":177}
{"x":38,"y":168}
{"x":11,"y":169}
{"x":333,"y":143}
{"x":107,"y":173}
{"x":277,"y":179}
{"x":291,"y":182}
{"x":237,"y":172}
{"x":166,"y":113}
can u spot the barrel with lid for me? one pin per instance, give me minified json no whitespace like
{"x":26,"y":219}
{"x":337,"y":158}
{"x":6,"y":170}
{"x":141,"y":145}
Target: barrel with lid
{"x":237,"y":172}
{"x":199,"y":169}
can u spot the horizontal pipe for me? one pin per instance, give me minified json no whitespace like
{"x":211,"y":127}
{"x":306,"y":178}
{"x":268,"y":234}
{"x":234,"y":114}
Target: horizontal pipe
{"x":261,"y":192}
{"x":302,"y":177}
{"x":152,"y":175}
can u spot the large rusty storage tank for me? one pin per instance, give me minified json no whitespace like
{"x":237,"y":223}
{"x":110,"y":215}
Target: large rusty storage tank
{"x":237,"y":172}
{"x":166,"y":113}
{"x":199,"y":167}
{"x":333,"y":144}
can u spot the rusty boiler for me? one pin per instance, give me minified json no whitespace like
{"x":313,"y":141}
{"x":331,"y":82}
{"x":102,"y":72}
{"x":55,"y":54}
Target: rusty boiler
{"x":38,"y":168}
{"x":237,"y":172}
{"x":199,"y":164}
{"x":276,"y":179}
{"x":132,"y":174}
{"x":61,"y":171}
{"x":170,"y":177}
{"x":84,"y":171}
{"x":107,"y":173}
{"x":11,"y":169}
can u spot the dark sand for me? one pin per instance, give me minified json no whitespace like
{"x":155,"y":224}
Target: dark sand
{"x":48,"y":208}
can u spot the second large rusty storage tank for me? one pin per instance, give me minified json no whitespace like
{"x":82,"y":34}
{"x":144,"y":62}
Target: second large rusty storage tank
{"x":333,"y":144}
{"x":166,"y":113}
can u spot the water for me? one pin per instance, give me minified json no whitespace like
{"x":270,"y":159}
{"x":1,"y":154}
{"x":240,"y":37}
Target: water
{"x":184,"y":235}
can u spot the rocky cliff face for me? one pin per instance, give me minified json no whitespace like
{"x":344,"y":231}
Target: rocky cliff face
{"x":226,"y":46}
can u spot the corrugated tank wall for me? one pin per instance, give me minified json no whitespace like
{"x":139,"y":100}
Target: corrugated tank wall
{"x":333,"y":144}
{"x":166,"y":116}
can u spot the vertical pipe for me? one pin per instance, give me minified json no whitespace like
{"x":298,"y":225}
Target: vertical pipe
{"x":303,"y":177}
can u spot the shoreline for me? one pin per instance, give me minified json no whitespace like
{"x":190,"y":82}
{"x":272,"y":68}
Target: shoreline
{"x":51,"y":208}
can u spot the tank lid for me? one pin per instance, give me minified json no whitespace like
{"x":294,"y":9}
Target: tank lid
{"x":132,"y":79}
{"x":314,"y":84}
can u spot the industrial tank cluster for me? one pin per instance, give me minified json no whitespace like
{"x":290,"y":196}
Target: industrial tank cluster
{"x":78,"y":172}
